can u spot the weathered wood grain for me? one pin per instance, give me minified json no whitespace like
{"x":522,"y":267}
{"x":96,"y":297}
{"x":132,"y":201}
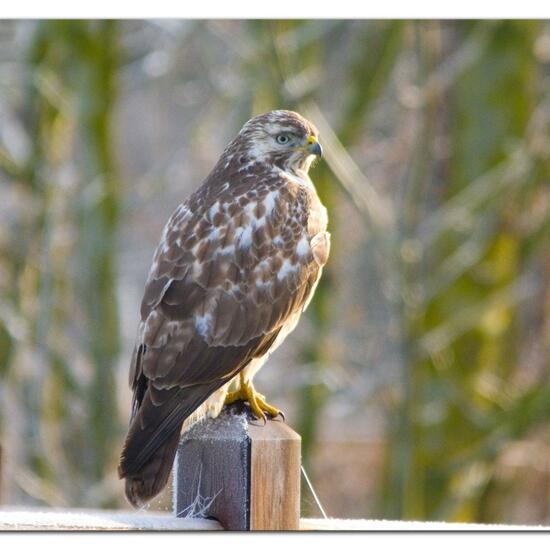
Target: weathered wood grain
{"x":240,"y":472}
{"x":274,"y":477}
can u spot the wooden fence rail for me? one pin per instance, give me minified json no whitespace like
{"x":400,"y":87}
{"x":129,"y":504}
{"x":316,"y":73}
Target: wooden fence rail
{"x":45,"y":519}
{"x":230,"y":473}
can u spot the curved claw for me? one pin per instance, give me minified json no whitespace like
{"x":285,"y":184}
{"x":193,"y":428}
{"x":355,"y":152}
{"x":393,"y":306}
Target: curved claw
{"x":266,"y":407}
{"x":255,"y":400}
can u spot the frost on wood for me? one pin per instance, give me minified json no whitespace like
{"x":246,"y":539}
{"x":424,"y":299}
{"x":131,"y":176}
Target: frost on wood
{"x":42,"y":519}
{"x":231,"y":421}
{"x":211,"y":470}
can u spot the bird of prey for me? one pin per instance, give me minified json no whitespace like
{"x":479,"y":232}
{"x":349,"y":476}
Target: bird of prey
{"x":237,"y":264}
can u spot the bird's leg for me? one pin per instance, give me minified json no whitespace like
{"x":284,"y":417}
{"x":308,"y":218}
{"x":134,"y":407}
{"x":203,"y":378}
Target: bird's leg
{"x":256,"y":400}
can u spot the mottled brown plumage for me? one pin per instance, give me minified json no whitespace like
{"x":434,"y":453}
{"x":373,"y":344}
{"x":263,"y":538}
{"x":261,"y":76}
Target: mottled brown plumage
{"x":237,"y":264}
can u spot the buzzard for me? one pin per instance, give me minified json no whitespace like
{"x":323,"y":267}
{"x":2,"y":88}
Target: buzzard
{"x":237,"y":264}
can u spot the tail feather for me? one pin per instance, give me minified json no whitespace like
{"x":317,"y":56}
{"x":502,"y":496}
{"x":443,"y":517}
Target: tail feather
{"x":152,"y":477}
{"x":152,"y":441}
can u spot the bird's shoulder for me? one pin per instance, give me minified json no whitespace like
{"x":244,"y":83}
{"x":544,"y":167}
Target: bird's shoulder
{"x":234,"y":265}
{"x":231,"y":251}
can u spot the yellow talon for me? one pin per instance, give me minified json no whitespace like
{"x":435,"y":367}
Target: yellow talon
{"x":233,"y":396}
{"x":256,"y":400}
{"x":269,"y":409}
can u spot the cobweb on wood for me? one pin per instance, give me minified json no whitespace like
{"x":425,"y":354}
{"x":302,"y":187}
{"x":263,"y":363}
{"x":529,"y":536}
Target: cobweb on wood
{"x":200,"y":505}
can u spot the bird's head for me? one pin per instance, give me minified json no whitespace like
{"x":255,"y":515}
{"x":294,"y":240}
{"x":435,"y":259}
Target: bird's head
{"x":281,"y":138}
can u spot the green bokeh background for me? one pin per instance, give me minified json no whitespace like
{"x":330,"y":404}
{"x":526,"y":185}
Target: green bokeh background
{"x":419,"y":379}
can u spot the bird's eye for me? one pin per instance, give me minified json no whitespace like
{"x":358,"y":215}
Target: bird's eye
{"x":282,"y":139}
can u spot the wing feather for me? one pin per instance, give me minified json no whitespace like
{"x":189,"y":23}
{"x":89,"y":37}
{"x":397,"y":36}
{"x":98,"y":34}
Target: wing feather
{"x":225,"y":278}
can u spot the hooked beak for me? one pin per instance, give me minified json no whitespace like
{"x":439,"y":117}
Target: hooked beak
{"x":314,"y":147}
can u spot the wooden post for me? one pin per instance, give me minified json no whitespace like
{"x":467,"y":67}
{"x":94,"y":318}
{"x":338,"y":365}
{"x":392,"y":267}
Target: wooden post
{"x":240,"y":472}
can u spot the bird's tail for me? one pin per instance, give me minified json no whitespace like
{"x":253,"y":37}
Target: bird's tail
{"x":152,"y":441}
{"x":153,"y":436}
{"x":152,"y":477}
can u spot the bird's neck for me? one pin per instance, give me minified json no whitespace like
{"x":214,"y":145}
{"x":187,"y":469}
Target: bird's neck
{"x":298,"y":177}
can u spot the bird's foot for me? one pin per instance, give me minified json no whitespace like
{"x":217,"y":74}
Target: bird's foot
{"x":256,"y":401}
